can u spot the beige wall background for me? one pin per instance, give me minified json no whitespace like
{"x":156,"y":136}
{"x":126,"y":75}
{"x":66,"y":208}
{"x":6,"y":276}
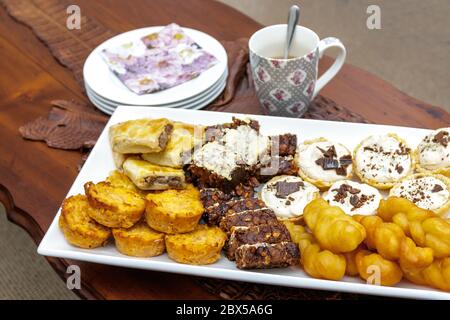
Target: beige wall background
{"x":411,"y":51}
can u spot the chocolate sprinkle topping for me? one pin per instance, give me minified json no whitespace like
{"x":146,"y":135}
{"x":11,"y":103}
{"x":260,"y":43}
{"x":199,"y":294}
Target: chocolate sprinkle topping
{"x":437,"y":188}
{"x":399,"y":168}
{"x":442,"y":137}
{"x":286,"y":188}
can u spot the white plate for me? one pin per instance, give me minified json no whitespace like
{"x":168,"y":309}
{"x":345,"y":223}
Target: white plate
{"x":100,"y":163}
{"x":103,"y":82}
{"x":109,"y":108}
{"x":177,"y":104}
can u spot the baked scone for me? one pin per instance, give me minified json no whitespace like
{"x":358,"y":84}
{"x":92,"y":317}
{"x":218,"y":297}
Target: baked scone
{"x":287,"y":196}
{"x":77,"y":226}
{"x":140,"y":136}
{"x":323,"y":162}
{"x":174,"y":211}
{"x":139,"y":241}
{"x":353,"y":197}
{"x":179,"y":148}
{"x":147,"y":176}
{"x":433,"y":153}
{"x":427,"y":191}
{"x":383,"y":160}
{"x":116,"y":207}
{"x":200,"y":246}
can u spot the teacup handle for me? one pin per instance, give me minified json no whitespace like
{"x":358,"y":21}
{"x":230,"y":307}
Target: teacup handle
{"x":325,"y":44}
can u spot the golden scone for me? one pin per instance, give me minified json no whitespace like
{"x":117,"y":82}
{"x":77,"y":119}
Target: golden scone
{"x":139,"y":241}
{"x":117,"y":207}
{"x":201,"y":246}
{"x":174,"y":211}
{"x":78,"y":228}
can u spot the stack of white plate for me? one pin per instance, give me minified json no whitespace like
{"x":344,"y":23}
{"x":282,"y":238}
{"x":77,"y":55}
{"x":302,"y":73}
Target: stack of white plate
{"x":107,"y":92}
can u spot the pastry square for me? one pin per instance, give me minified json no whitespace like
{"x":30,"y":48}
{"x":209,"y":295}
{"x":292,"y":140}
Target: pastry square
{"x":140,"y":136}
{"x":147,"y":176}
{"x":178,"y":150}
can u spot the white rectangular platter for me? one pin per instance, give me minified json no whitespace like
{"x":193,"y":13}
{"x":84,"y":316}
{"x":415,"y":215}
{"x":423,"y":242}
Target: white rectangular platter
{"x":100,"y":164}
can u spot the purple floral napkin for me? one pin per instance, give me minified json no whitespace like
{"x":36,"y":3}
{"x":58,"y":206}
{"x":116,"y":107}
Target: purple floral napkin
{"x":158,"y":61}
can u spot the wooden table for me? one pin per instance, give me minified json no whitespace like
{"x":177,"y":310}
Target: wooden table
{"x":34,"y":179}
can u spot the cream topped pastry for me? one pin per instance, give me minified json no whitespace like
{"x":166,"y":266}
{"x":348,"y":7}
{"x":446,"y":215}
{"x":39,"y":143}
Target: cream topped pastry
{"x":427,"y":191}
{"x":383,"y":160}
{"x":354,"y":197}
{"x":322,"y":162}
{"x":433,"y":152}
{"x":287,"y":196}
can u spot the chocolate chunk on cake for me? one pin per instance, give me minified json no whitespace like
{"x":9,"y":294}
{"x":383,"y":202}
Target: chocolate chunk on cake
{"x":214,"y":214}
{"x":255,"y":234}
{"x":248,"y":218}
{"x":266,"y":255}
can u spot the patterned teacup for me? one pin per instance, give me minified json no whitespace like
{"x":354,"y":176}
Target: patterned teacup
{"x":285,"y":87}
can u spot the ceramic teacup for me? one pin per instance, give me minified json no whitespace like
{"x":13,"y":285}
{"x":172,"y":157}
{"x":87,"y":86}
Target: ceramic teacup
{"x":285,"y":87}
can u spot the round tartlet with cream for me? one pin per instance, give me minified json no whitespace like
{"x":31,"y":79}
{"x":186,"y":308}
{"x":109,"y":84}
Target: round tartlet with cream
{"x":287,"y":196}
{"x":426,"y":190}
{"x":322,"y":162}
{"x":433,"y":152}
{"x":383,"y":160}
{"x":353,"y":197}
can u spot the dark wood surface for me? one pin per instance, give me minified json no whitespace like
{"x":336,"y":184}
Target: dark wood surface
{"x":34,"y":179}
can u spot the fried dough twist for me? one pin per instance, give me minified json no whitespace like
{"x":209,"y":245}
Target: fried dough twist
{"x":318,"y":263}
{"x":373,"y":267}
{"x":389,"y":240}
{"x":437,"y":275}
{"x":333,"y":229}
{"x":426,"y":228}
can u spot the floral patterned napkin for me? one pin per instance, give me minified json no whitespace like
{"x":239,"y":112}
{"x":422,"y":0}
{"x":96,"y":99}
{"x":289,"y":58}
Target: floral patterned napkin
{"x":158,"y":61}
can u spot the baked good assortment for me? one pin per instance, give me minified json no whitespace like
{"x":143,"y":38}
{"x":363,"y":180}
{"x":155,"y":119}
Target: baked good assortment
{"x":268,"y":201}
{"x":433,"y":153}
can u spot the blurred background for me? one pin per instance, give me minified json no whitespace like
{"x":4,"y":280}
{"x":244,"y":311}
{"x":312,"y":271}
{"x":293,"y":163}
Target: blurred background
{"x":411,"y":51}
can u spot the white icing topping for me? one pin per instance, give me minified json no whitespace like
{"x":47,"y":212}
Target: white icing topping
{"x":420,"y":191}
{"x":432,"y":154}
{"x":240,"y":146}
{"x":309,"y":153}
{"x":382,"y":158}
{"x":293,"y":204}
{"x":216,"y":158}
{"x":368,"y":207}
{"x":246,"y":143}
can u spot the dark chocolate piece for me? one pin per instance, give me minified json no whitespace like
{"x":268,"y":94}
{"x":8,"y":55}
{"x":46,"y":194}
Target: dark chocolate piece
{"x":437,"y":188}
{"x":285,"y":188}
